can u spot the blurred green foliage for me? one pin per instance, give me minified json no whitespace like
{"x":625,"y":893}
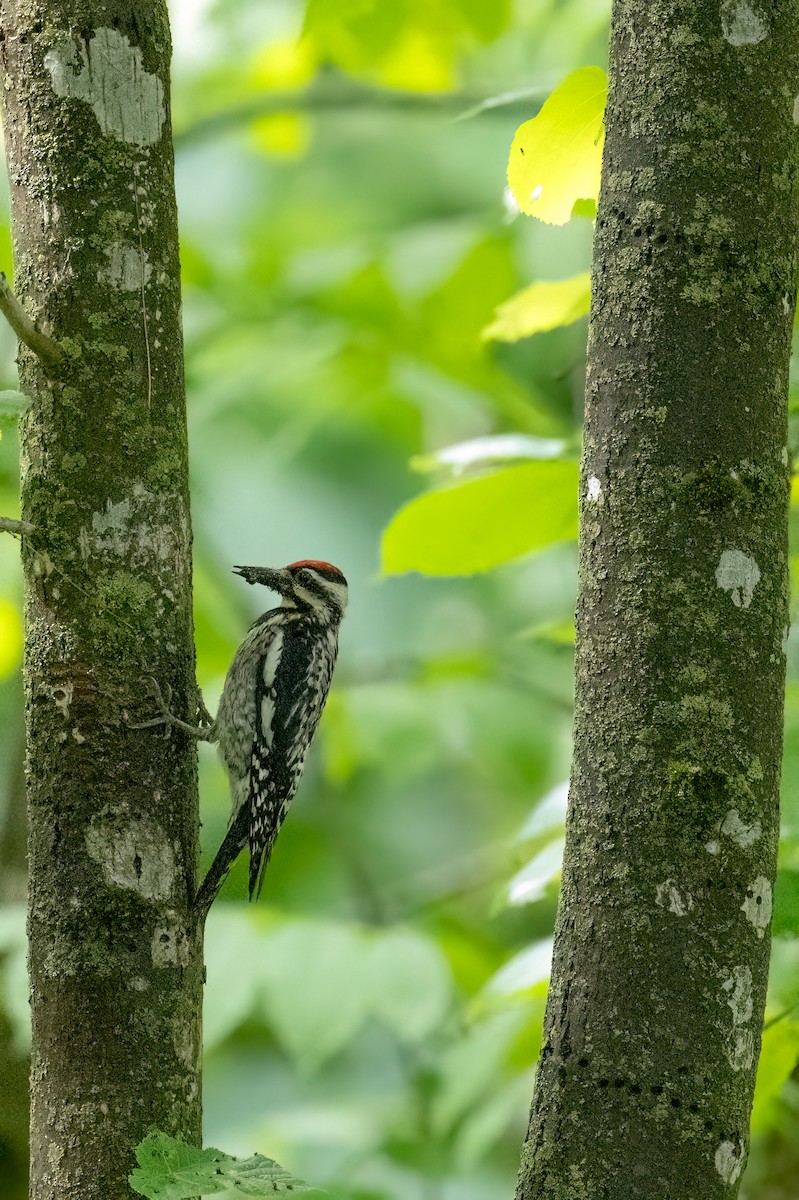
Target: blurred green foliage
{"x":373,"y":1023}
{"x":171,"y":1170}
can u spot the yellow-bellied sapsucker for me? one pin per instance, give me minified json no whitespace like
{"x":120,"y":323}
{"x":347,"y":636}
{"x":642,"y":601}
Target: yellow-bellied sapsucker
{"x":272,"y":700}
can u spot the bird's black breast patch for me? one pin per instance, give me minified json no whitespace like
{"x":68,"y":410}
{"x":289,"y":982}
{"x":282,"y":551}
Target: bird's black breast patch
{"x":295,"y":706}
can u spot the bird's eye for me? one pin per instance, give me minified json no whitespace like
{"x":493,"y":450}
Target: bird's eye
{"x":306,"y":576}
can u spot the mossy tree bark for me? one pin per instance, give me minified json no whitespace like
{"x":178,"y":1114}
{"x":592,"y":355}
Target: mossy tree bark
{"x":115,"y":958}
{"x":653,"y":1022}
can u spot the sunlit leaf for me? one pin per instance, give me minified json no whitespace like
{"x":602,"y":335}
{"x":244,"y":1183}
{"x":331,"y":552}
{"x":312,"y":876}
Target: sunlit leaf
{"x":478,"y":525}
{"x":556,"y":158}
{"x":529,"y":884}
{"x":6,"y":253}
{"x":526,"y":970}
{"x":549,"y":813}
{"x":421,"y":60}
{"x":487,"y":451}
{"x":795,"y":489}
{"x":10,"y":638}
{"x":285,"y":134}
{"x":283,"y":63}
{"x":170,"y":1170}
{"x":541,"y":306}
{"x":778,"y":1056}
{"x":585,"y":208}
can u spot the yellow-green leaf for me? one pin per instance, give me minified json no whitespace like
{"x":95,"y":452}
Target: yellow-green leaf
{"x":555,"y":159}
{"x":487,"y":521}
{"x":10,"y":638}
{"x":778,"y":1055}
{"x":541,"y":306}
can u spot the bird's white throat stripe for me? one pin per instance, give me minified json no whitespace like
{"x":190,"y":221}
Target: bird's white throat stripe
{"x":337,"y":591}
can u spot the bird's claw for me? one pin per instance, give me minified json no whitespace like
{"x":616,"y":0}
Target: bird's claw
{"x":205,"y":717}
{"x":166,"y":716}
{"x":157,"y":694}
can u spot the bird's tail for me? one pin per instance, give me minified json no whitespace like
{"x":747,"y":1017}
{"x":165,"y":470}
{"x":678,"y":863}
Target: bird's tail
{"x":234,"y":842}
{"x":259,"y":861}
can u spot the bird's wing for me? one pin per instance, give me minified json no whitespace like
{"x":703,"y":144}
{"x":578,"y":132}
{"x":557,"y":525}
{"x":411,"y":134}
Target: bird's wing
{"x":281,"y":739}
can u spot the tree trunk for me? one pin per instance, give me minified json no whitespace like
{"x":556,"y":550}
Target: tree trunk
{"x":653,"y":1022}
{"x":115,"y":958}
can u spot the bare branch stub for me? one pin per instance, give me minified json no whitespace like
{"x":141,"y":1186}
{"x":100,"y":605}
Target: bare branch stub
{"x":17,"y":528}
{"x":45,"y":348}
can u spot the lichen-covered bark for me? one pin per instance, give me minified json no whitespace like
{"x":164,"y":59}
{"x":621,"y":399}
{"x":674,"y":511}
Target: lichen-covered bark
{"x":115,"y":959}
{"x":653,"y":1022}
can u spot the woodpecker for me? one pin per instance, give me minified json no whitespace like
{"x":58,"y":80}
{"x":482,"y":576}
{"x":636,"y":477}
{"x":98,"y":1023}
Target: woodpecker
{"x":271,"y":703}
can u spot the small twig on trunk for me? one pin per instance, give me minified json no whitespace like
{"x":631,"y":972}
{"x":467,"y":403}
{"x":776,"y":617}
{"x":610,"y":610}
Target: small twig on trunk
{"x":18,"y":528}
{"x":46,"y":350}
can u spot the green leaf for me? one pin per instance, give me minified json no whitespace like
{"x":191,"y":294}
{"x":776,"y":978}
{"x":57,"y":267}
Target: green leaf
{"x":556,"y":159}
{"x":316,"y":988}
{"x":585,"y":208}
{"x":486,"y":21}
{"x":529,"y":884}
{"x":786,"y":904}
{"x":541,"y":306}
{"x":548,"y":814}
{"x":524,"y":971}
{"x":233,"y":949}
{"x":487,"y":1123}
{"x":778,"y":1056}
{"x":487,"y":521}
{"x":489,"y":451}
{"x":412,"y":988}
{"x":470,"y":1069}
{"x":170,"y":1170}
{"x":399,"y":45}
{"x":555,"y":633}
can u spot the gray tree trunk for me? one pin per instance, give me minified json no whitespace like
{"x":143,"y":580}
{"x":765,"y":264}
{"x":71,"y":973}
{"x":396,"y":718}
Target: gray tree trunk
{"x":115,"y":958}
{"x":654,"y":1015}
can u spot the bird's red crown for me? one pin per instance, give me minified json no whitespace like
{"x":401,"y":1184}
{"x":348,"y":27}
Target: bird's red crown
{"x":316,"y":564}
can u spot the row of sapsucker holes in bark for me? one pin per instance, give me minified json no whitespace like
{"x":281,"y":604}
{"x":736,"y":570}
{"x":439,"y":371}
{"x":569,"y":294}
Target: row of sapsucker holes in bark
{"x":723,"y":248}
{"x":656,"y":1090}
{"x":639,"y":230}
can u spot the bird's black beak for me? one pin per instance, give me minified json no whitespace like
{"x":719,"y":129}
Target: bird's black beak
{"x":277,"y":580}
